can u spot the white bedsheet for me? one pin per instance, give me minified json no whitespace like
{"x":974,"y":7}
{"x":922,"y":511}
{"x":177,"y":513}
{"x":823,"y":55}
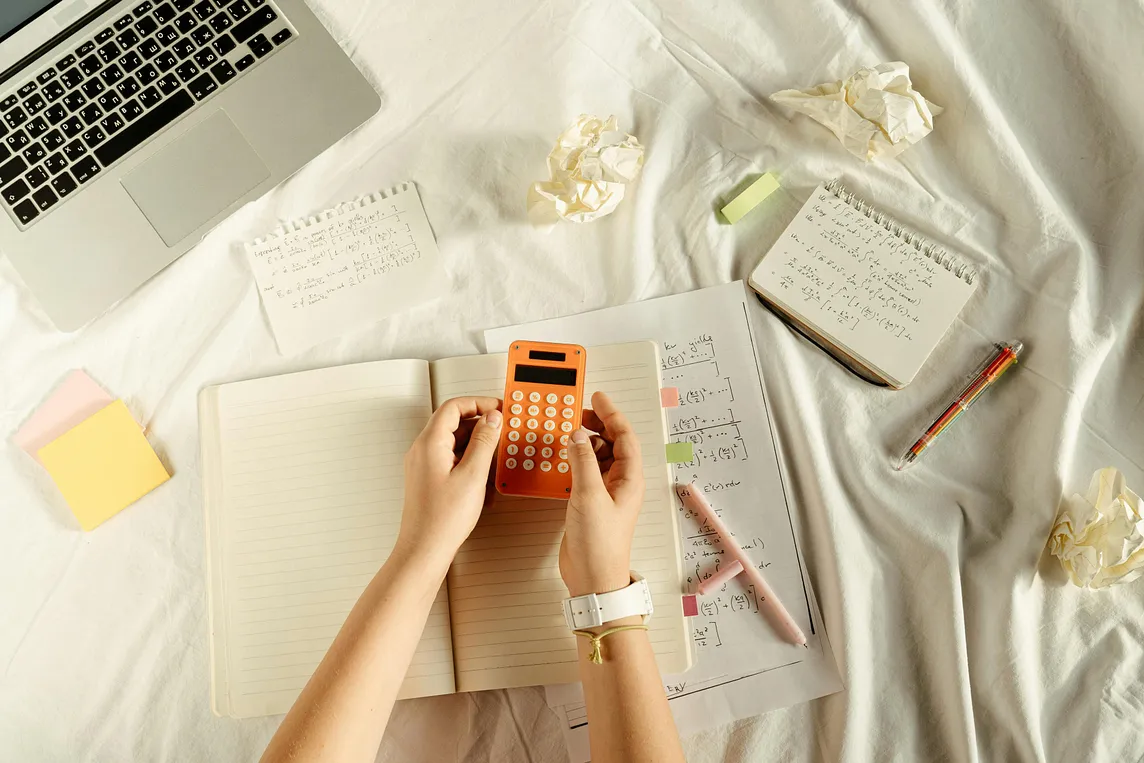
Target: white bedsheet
{"x":957,"y":641}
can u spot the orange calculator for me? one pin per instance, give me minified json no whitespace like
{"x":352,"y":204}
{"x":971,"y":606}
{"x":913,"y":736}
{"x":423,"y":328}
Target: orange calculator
{"x":543,"y":398}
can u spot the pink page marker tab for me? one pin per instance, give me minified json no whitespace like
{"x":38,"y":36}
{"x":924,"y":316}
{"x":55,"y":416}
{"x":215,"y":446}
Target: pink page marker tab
{"x":669,"y":397}
{"x":690,"y":605}
{"x":72,"y":403}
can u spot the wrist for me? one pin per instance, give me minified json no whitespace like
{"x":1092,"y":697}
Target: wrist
{"x":430,"y":559}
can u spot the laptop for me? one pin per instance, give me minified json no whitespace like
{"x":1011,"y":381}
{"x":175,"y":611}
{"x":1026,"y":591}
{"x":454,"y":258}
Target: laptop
{"x":130,"y":128}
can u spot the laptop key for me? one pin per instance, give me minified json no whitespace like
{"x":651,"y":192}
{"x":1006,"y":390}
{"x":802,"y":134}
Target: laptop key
{"x":244,"y":30}
{"x":149,"y":97}
{"x":12,"y":169}
{"x":85,"y":169}
{"x":36,"y":177}
{"x":202,"y":87}
{"x":16,"y":141}
{"x":4,"y":153}
{"x":281,"y":37}
{"x":34,"y":153}
{"x":15,"y":117}
{"x":223,"y":72}
{"x":90,"y":65}
{"x":45,"y":198}
{"x":205,"y":58}
{"x":109,"y":101}
{"x":37,"y":127}
{"x":224,"y":45}
{"x":112,"y":74}
{"x":53,"y":140}
{"x":26,"y":211}
{"x":183,"y":48}
{"x":46,"y":76}
{"x":182,"y":5}
{"x":26,"y":90}
{"x":167,"y":35}
{"x":166,"y":61}
{"x":109,"y":52}
{"x":149,"y":49}
{"x":169,"y":84}
{"x":53,"y":91}
{"x":130,"y":62}
{"x":128,"y":87}
{"x":56,"y":163}
{"x":72,"y":127}
{"x":75,"y":150}
{"x":113,"y":124}
{"x":147,"y":125}
{"x":94,"y":137}
{"x":35,"y":104}
{"x":221,"y":23}
{"x":141,"y":9}
{"x":15,"y":192}
{"x":9,"y":102}
{"x":84,"y":49}
{"x":239,"y":9}
{"x":165,"y":13}
{"x":65,"y":62}
{"x":186,"y":23}
{"x":245,"y":62}
{"x":131,"y":110}
{"x":92,"y":88}
{"x":202,"y":35}
{"x":187,"y":71}
{"x":127,"y":40}
{"x":74,"y":101}
{"x":146,"y":26}
{"x":124,"y":22}
{"x":204,"y":10}
{"x":64,"y":184}
{"x":91,"y":114}
{"x":104,"y":36}
{"x":71,"y":78}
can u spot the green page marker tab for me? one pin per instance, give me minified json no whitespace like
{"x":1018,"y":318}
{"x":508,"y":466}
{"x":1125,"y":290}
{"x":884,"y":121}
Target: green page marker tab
{"x":679,"y":452}
{"x":750,"y":198}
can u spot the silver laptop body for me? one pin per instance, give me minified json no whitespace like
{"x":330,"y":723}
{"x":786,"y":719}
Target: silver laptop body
{"x":129,"y":129}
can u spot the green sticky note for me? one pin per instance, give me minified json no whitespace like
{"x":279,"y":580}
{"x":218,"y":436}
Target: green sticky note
{"x":750,"y":198}
{"x":679,"y":452}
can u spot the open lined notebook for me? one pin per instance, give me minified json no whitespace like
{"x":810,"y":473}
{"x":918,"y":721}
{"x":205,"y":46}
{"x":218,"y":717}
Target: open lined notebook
{"x":302,"y":491}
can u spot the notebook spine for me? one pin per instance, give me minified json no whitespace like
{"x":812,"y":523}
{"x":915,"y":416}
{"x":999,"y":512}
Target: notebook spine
{"x":949,"y":261}
{"x":306,"y":222}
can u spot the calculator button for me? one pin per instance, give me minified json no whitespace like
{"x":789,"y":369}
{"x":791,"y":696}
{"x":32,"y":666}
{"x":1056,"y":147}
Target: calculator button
{"x":550,"y":411}
{"x":518,"y":395}
{"x":516,"y":409}
{"x":532,"y":424}
{"x":514,"y":422}
{"x":569,"y":399}
{"x":549,"y":439}
{"x":562,"y":467}
{"x":530,"y":437}
{"x":528,"y":464}
{"x":534,"y":397}
{"x":566,"y":413}
{"x":545,"y":466}
{"x":566,"y":426}
{"x":510,"y":463}
{"x":552,"y":398}
{"x":529,"y":450}
{"x":563,"y":454}
{"x":534,"y":410}
{"x":563,"y":439}
{"x":513,"y":436}
{"x":549,"y":425}
{"x":546,"y":452}
{"x":511,"y":450}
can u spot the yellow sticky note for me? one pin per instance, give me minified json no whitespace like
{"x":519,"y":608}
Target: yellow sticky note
{"x":750,"y":198}
{"x":103,"y":465}
{"x":680,"y":452}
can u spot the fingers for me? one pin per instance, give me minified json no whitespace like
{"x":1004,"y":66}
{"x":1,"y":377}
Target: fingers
{"x":482,"y":447}
{"x":592,"y":421}
{"x":447,"y":418}
{"x":626,"y":473}
{"x":586,"y":477}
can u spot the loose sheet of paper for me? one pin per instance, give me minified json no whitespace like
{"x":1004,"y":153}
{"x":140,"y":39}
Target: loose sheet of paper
{"x":347,"y":268}
{"x":742,"y":667}
{"x":74,"y":401}
{"x":869,"y":291}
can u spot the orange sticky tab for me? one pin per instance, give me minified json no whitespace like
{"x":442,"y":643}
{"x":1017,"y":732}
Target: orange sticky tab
{"x":669,"y":397}
{"x":690,"y":606}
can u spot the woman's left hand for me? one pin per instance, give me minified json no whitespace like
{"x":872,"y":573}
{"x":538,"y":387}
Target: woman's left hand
{"x":447,"y":474}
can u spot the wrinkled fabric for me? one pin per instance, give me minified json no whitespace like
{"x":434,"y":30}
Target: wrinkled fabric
{"x":958,"y":638}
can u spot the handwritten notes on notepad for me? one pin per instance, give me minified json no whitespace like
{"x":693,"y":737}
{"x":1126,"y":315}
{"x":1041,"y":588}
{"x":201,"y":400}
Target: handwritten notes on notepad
{"x":348,"y":267}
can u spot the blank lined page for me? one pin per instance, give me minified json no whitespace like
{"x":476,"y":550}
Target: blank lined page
{"x":304,"y":497}
{"x":505,"y":589}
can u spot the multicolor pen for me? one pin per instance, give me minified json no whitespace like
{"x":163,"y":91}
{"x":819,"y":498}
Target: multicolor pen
{"x":998,"y":364}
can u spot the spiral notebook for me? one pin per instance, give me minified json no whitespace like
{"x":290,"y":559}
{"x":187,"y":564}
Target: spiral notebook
{"x":876,"y":296}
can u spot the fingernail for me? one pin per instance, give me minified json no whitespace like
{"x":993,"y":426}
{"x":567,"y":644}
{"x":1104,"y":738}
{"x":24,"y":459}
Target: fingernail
{"x":580,"y":436}
{"x":493,"y":418}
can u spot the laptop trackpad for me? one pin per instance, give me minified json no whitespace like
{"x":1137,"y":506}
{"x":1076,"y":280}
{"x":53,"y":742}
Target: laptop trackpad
{"x":195,"y":178}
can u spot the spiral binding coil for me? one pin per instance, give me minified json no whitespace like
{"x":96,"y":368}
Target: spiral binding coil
{"x":300,"y":224}
{"x":939,"y":255}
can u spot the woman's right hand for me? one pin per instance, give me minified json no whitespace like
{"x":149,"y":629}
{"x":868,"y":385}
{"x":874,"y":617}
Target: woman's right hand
{"x":607,"y":492}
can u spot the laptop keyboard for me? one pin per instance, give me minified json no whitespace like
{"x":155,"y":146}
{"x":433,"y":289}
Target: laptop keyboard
{"x":121,"y":87}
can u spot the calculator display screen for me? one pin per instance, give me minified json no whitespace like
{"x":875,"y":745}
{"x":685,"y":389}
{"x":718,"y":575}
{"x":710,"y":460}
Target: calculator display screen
{"x":564,"y":377}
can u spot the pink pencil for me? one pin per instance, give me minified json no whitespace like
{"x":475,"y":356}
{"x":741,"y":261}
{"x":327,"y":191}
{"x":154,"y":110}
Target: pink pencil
{"x":695,"y":501}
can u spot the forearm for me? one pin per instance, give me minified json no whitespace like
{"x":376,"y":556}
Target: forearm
{"x":342,"y":712}
{"x":629,"y":720}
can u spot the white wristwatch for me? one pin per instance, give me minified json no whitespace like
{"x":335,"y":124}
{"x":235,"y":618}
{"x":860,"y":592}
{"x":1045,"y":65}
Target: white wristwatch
{"x":599,"y":608}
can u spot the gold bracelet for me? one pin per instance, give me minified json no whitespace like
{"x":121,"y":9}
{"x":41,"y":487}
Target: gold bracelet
{"x":594,"y":656}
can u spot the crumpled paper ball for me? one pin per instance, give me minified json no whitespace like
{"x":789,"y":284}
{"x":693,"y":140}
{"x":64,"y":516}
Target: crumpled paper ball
{"x":1099,"y":537}
{"x":875,"y":112}
{"x":589,"y":170}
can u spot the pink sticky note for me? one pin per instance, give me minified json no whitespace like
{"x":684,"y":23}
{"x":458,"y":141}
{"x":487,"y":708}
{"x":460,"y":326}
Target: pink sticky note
{"x":669,"y":397}
{"x":690,"y":606}
{"x":72,"y":403}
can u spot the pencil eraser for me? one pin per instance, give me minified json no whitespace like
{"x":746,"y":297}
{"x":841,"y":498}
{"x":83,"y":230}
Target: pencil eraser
{"x":669,"y":397}
{"x":690,"y":606}
{"x":750,"y":198}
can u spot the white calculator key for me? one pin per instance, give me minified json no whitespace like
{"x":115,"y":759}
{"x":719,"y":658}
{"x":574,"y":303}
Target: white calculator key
{"x":517,"y":395}
{"x":566,"y":426}
{"x":511,"y":450}
{"x":545,"y":466}
{"x":564,"y":439}
{"x":549,"y":439}
{"x":529,"y":450}
{"x":514,"y":423}
{"x":550,"y":411}
{"x":566,"y":413}
{"x":562,"y":467}
{"x":528,"y":464}
{"x":510,"y":463}
{"x":550,"y":425}
{"x":569,"y":399}
{"x":513,"y":436}
{"x":532,"y":423}
{"x":552,"y":398}
{"x":534,"y":397}
{"x":516,"y":409}
{"x":563,"y":453}
{"x":546,"y":453}
{"x":534,"y":410}
{"x":530,"y":437}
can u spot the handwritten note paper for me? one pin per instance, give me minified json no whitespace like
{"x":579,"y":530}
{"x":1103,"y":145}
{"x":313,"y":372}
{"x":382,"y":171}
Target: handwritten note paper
{"x":874,"y":290}
{"x":349,"y":267}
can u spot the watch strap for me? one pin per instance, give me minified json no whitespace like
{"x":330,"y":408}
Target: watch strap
{"x":596,"y":609}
